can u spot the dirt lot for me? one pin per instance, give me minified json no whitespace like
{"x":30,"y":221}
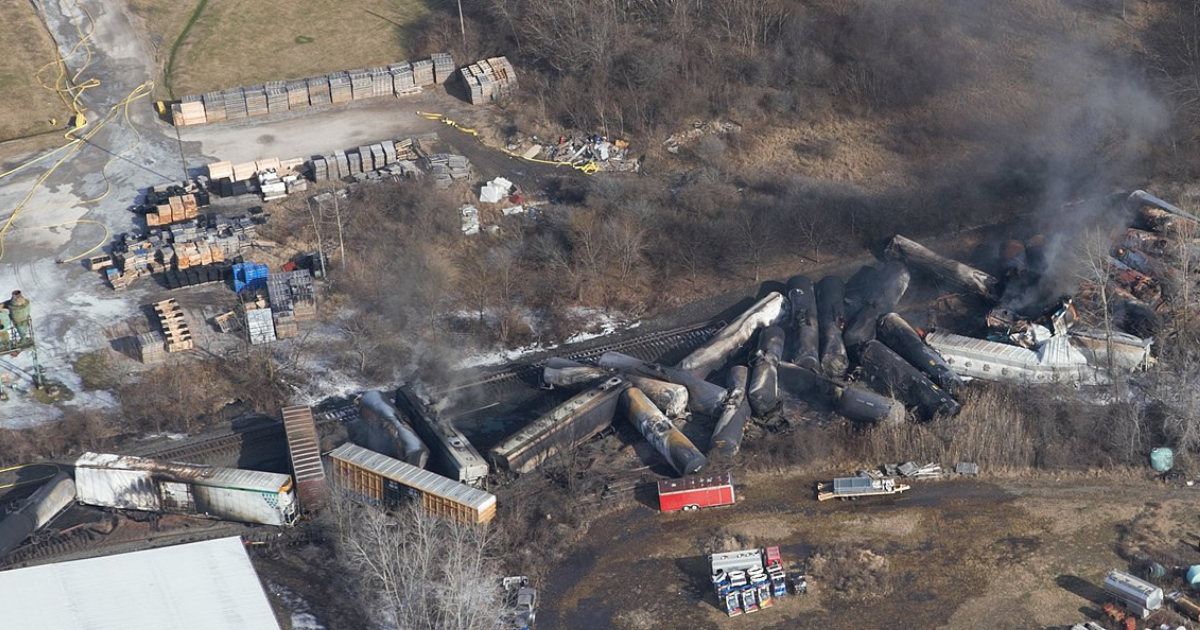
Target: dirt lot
{"x":942,"y":556}
{"x":243,"y":42}
{"x":25,"y":106}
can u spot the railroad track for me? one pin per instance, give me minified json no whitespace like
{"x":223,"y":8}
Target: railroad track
{"x":647,"y":347}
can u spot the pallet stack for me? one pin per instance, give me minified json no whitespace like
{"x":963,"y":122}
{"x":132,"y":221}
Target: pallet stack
{"x":402,"y":78}
{"x":260,"y":326}
{"x":178,"y":208}
{"x":361,"y":86}
{"x":249,"y":275}
{"x":152,"y":347}
{"x":297,"y":93}
{"x":318,"y":91}
{"x":422,"y":72}
{"x":214,"y":106}
{"x":443,"y":67}
{"x":489,"y":80}
{"x":340,"y":89}
{"x":447,"y":168}
{"x":174,"y":325}
{"x":277,"y":97}
{"x":292,"y":292}
{"x":235,"y":104}
{"x":188,"y":112}
{"x":381,"y":82}
{"x":256,"y":101}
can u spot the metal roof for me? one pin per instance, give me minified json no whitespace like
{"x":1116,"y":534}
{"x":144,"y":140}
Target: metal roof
{"x":409,"y":475}
{"x":667,"y":486}
{"x":208,"y":585}
{"x":852,"y":484}
{"x":190,"y":473}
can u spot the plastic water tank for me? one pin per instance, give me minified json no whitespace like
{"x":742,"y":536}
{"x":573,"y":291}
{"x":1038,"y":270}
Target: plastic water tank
{"x":1155,"y":571}
{"x":1162,"y":459}
{"x":1193,"y":575}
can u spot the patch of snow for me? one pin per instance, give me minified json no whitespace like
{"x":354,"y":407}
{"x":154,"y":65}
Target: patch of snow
{"x":597,"y":323}
{"x":301,"y":612}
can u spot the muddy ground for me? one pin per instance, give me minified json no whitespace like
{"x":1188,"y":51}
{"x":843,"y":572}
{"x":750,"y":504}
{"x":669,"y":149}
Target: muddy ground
{"x":1022,"y":553}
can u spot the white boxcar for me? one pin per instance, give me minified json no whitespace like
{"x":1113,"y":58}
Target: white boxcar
{"x":135,"y":483}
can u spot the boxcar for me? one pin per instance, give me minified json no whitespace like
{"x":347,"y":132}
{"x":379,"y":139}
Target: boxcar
{"x":382,"y":481}
{"x":691,"y":493}
{"x":136,"y":483}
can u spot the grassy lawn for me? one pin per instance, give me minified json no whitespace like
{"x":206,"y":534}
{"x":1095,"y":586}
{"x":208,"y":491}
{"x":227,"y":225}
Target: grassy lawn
{"x":246,"y":42}
{"x":25,"y":107}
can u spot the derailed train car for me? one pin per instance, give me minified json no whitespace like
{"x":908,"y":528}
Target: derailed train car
{"x":452,"y":454}
{"x":135,"y":483}
{"x":36,"y":511}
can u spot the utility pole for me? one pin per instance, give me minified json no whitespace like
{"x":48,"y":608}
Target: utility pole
{"x":462,"y":26}
{"x":337,"y":210}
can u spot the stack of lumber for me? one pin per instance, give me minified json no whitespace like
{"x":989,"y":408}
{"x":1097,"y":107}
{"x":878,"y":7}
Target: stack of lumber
{"x":406,"y":149}
{"x":189,"y":112}
{"x":178,"y":208}
{"x":220,"y":170}
{"x":318,"y":91}
{"x":340,"y":90}
{"x":489,"y":80}
{"x":422,"y":72}
{"x":152,"y":347}
{"x":381,"y":82}
{"x":360,"y":84}
{"x":256,"y":101}
{"x":402,"y":78}
{"x":277,"y":97}
{"x":235,"y":104}
{"x":174,"y":325}
{"x":297,"y":93}
{"x":196,"y":254}
{"x":214,"y":106}
{"x":443,"y":67}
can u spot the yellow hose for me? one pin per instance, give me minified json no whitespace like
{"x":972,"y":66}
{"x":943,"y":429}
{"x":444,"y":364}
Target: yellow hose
{"x":587,"y":169}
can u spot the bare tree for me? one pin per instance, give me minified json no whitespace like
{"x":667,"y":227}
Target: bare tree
{"x":416,"y":571}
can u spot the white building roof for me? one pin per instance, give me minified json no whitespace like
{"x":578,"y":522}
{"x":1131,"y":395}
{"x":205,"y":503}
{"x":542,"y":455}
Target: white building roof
{"x":208,"y":585}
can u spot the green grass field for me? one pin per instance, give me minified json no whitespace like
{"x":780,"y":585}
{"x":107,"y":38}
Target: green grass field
{"x":231,"y":43}
{"x":25,"y":107}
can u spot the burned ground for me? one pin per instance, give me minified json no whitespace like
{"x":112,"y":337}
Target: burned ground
{"x":1030,"y":548}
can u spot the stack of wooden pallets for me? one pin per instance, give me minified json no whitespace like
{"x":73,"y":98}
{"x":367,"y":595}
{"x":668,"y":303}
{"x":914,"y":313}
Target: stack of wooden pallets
{"x":381,"y":82}
{"x":489,"y":80}
{"x":260,"y":327}
{"x":297,"y":93}
{"x":189,"y":112}
{"x":318,"y":91}
{"x":402,"y":78}
{"x":174,"y":325}
{"x":422,"y":72}
{"x":235,"y":104}
{"x":443,"y":67}
{"x":340,"y":89}
{"x":152,"y":347}
{"x":277,"y":97}
{"x":214,"y":106}
{"x":256,"y":101}
{"x":177,"y":208}
{"x":361,"y":85}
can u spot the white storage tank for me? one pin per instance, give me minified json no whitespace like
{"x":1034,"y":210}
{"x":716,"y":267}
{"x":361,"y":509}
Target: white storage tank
{"x":1140,"y":596}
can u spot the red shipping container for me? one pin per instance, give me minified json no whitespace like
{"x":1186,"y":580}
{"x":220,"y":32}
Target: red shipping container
{"x":691,"y":493}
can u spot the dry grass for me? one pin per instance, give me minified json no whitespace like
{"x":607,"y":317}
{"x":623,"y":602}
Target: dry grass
{"x":25,"y":107}
{"x":247,"y":42}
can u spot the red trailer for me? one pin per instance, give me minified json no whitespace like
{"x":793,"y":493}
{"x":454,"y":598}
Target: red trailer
{"x":691,"y":493}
